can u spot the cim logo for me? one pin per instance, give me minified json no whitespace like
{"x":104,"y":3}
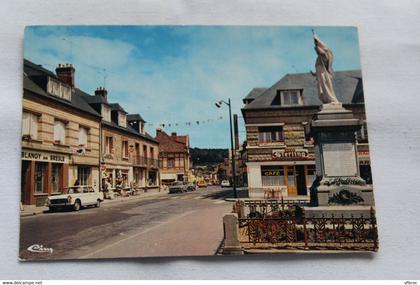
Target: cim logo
{"x":38,"y":248}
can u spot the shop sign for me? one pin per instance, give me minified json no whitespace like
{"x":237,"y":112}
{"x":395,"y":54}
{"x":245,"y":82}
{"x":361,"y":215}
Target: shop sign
{"x":44,"y":156}
{"x":272,"y":172}
{"x":289,"y":153}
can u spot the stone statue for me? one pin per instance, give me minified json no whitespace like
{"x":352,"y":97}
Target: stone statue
{"x":324,"y":72}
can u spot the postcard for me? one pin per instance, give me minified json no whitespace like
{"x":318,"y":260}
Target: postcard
{"x":156,"y":141}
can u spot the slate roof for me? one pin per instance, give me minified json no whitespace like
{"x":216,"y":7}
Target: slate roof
{"x":255,"y":92}
{"x":135,"y":117}
{"x":117,"y":107}
{"x":346,"y":83}
{"x":94,"y":99}
{"x":130,"y":130}
{"x":32,"y":70}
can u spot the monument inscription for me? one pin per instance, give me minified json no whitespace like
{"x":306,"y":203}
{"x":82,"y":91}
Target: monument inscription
{"x":339,"y":159}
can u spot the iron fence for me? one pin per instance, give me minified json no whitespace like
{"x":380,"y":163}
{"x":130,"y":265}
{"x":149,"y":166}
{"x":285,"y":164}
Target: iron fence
{"x":287,"y":229}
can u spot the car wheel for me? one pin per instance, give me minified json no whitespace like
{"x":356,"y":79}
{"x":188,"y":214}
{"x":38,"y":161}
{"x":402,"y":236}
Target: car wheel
{"x":98,"y":203}
{"x":77,"y":205}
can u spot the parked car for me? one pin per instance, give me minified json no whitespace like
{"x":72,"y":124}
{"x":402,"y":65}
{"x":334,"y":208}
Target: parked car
{"x":201,"y":184}
{"x":75,"y":197}
{"x":191,"y":186}
{"x":225,"y":183}
{"x":177,"y":187}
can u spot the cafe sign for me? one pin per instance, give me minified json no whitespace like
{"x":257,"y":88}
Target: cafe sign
{"x":289,"y":153}
{"x":45,"y":156}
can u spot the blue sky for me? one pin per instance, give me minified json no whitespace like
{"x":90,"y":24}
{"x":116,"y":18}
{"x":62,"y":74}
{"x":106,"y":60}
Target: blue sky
{"x":175,"y":74}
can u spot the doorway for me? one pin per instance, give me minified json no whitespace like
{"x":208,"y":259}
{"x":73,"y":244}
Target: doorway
{"x":300,"y":180}
{"x":25,"y":182}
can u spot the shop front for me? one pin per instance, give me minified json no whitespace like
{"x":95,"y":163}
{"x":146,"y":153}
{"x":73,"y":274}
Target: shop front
{"x":43,"y":174}
{"x":289,"y":173}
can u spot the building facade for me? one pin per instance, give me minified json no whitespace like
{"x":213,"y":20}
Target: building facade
{"x":174,"y":151}
{"x":60,"y":134}
{"x":129,"y":155}
{"x":280,"y":151}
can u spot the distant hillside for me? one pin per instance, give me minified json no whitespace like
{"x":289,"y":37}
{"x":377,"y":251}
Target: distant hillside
{"x":208,"y":156}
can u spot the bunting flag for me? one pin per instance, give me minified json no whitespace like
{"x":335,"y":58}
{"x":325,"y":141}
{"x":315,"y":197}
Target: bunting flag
{"x":177,"y":124}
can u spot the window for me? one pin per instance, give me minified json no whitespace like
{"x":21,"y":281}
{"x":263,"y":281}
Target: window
{"x":272,"y":175}
{"x":145,"y":151}
{"x":83,"y":136}
{"x":40,"y":171}
{"x":152,"y":154}
{"x":106,"y":113}
{"x":59,"y":132}
{"x":171,"y":162}
{"x":30,"y":125}
{"x":122,"y":119}
{"x":125,"y":149}
{"x":270,"y":134}
{"x":291,"y":97}
{"x":58,"y":89}
{"x":55,"y":177}
{"x":109,"y":145}
{"x":83,"y":174}
{"x":311,"y":174}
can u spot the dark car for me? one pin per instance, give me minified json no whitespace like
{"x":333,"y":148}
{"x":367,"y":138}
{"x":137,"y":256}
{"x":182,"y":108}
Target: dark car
{"x":191,"y":186}
{"x":177,"y":187}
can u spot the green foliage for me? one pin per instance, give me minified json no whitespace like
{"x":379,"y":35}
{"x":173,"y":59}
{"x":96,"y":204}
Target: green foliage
{"x":208,"y":156}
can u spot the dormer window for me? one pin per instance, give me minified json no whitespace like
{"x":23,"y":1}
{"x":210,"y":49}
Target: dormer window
{"x":288,"y":98}
{"x":106,"y":113}
{"x":58,"y":89}
{"x":122,"y":119}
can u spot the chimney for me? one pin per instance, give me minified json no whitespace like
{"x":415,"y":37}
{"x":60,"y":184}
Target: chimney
{"x":158,"y":131}
{"x":101,"y":91}
{"x":173,"y":134}
{"x":65,"y":72}
{"x":235,"y":130}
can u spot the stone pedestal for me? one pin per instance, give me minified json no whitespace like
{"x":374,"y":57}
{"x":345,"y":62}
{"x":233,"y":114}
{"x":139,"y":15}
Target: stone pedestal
{"x":334,"y":130}
{"x":232,"y":244}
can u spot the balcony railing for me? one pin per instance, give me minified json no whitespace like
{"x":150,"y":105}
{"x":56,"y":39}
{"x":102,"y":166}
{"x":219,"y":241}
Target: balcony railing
{"x":145,"y":161}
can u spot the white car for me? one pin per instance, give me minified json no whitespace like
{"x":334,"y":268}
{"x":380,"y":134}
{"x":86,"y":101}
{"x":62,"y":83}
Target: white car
{"x":225,"y":183}
{"x":76,"y":198}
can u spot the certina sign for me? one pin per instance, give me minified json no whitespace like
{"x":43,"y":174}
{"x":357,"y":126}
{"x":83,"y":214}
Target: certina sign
{"x":289,"y":153}
{"x":44,"y":156}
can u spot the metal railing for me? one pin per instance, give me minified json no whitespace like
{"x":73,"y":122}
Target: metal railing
{"x":145,"y":161}
{"x":283,"y":225}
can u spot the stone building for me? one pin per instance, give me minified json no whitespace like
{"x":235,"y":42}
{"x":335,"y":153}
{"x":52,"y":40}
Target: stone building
{"x":60,"y":134}
{"x":174,"y":151}
{"x":280,"y":151}
{"x":129,"y":155}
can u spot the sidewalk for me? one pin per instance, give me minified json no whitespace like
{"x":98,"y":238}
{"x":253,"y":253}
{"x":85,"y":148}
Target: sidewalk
{"x":31,"y":210}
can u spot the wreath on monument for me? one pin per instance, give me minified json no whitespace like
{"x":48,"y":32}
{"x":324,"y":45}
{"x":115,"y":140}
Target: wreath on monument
{"x":345,"y":197}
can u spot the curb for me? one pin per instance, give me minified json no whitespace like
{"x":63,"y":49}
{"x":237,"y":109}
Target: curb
{"x":105,"y":202}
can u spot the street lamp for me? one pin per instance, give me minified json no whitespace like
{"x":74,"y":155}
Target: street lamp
{"x":219,"y":105}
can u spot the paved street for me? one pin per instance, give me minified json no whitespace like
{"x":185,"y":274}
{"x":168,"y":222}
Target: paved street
{"x":169,"y":224}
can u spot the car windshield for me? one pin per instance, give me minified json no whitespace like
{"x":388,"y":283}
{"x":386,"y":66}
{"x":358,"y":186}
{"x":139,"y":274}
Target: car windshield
{"x":74,"y":190}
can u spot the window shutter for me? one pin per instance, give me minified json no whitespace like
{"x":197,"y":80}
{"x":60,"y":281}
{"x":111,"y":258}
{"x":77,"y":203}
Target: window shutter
{"x":83,"y":136}
{"x":25,"y":124}
{"x":34,"y":126}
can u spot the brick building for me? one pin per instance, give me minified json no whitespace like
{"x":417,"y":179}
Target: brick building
{"x":174,"y":151}
{"x":280,"y":152}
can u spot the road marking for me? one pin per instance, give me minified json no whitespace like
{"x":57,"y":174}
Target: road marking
{"x":135,"y":235}
{"x":219,"y":202}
